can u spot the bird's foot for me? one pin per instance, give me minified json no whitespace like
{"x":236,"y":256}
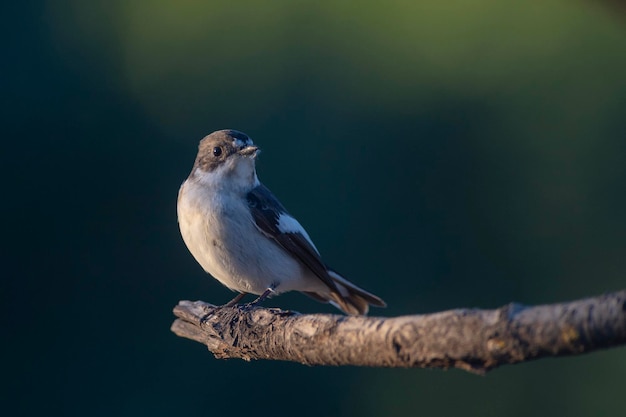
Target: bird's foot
{"x":252,"y":304}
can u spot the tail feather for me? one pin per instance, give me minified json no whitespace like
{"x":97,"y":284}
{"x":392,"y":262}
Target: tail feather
{"x":350,"y":299}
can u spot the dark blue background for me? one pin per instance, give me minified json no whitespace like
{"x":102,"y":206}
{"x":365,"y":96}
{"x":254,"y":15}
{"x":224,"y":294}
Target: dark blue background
{"x":441,"y":155}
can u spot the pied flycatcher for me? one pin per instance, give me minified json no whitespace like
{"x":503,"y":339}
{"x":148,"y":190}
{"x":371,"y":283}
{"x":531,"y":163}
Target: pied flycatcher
{"x":243,"y":236}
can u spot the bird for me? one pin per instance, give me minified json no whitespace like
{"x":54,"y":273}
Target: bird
{"x":241,"y":234}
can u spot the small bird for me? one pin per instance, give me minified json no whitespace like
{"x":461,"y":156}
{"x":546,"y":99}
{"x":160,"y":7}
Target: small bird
{"x":242,"y":235}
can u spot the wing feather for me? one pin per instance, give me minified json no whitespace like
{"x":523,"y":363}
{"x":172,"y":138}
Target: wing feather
{"x":266,"y":211}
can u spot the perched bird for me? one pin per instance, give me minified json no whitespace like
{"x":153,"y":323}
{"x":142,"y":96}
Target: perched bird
{"x":242,"y":235}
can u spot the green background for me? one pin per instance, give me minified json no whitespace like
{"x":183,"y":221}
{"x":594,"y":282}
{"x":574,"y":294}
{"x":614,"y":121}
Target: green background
{"x":440,"y":154}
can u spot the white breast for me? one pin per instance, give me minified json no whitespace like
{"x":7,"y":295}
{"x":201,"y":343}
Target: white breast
{"x":219,"y":231}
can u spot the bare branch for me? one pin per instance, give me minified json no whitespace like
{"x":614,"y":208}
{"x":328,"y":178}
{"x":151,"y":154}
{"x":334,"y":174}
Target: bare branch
{"x":470,"y":339}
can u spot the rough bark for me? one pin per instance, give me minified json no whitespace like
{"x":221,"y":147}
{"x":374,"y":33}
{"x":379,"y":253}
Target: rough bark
{"x":470,"y":339}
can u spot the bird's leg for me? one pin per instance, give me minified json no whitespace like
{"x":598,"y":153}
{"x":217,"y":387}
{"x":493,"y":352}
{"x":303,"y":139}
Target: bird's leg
{"x":231,"y":303}
{"x":235,"y":300}
{"x":261,"y":297}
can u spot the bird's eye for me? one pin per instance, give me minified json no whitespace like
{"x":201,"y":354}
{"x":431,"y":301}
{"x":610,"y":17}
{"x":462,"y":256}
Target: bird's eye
{"x":217,"y":151}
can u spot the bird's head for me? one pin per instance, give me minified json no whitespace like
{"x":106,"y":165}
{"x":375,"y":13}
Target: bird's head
{"x":226,"y":159}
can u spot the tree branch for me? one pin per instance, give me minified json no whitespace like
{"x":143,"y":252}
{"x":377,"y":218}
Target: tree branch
{"x":470,"y":339}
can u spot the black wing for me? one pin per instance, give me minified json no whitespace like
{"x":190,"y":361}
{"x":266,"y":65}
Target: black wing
{"x":266,"y":211}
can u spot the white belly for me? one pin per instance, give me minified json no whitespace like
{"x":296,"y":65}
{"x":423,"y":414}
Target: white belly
{"x":221,"y":235}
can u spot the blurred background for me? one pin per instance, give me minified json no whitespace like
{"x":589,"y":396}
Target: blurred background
{"x":440,"y":154}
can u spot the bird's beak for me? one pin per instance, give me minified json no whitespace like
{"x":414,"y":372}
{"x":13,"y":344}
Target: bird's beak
{"x":250,"y":150}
